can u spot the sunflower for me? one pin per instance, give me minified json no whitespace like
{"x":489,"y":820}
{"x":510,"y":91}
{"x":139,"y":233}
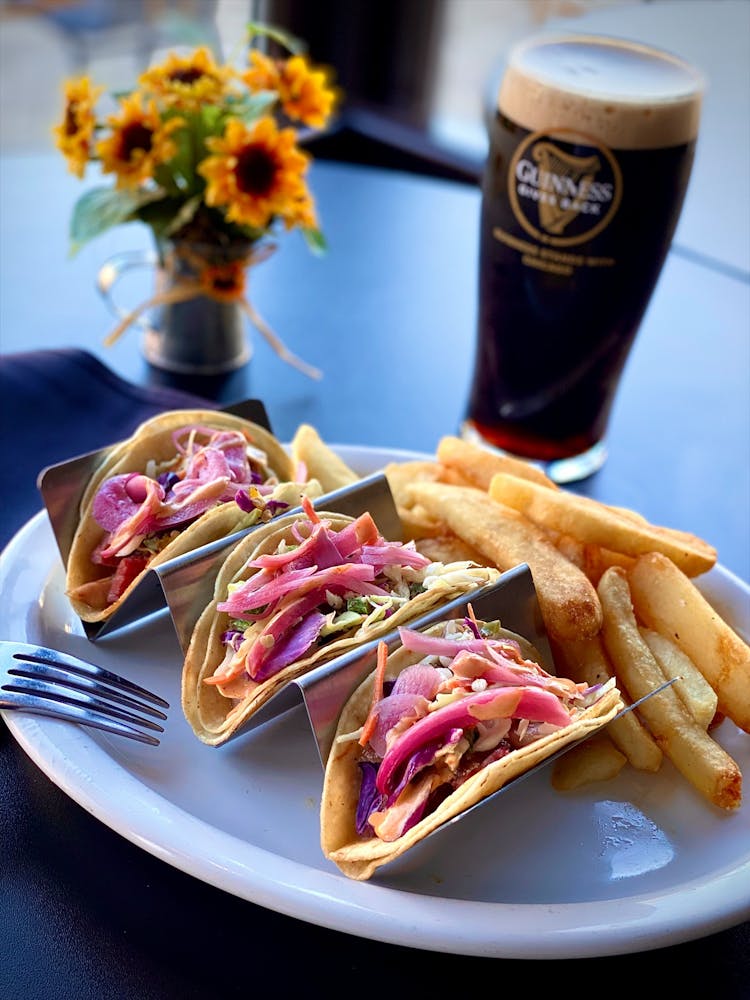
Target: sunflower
{"x":73,"y":136}
{"x":304,"y":92}
{"x":139,"y":142}
{"x":225,"y":282}
{"x":264,"y":73}
{"x":188,"y":82}
{"x":257,"y":172}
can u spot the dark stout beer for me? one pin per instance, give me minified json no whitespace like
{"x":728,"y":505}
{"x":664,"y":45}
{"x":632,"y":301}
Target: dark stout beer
{"x":590,"y":152}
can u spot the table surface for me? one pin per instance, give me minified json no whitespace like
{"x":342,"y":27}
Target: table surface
{"x":389,"y":316}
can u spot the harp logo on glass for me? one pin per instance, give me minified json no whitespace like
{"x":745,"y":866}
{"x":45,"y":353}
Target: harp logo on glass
{"x":563,"y":193}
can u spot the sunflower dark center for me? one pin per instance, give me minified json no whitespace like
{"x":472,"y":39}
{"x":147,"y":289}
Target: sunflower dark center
{"x":224,"y":283}
{"x":189,"y":75}
{"x":256,"y":169}
{"x":71,"y":119}
{"x":135,"y":136}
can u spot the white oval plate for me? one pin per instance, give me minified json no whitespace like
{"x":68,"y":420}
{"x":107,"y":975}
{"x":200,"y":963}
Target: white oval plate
{"x":630,"y":865}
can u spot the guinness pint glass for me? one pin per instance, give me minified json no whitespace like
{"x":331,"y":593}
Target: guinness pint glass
{"x":590,"y":151}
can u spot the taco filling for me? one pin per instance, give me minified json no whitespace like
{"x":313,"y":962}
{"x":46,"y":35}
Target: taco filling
{"x":322,"y":584}
{"x":469,"y":700}
{"x":141,"y":513}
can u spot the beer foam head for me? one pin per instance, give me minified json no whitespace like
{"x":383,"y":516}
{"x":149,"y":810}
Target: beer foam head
{"x":620,"y":93}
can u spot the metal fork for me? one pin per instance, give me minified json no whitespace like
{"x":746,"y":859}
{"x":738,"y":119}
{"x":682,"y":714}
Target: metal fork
{"x":47,"y":682}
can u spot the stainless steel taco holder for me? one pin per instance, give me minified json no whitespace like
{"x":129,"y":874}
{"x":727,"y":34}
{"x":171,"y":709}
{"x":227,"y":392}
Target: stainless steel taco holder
{"x":416,"y":854}
{"x":324,"y":690}
{"x":184,"y":585}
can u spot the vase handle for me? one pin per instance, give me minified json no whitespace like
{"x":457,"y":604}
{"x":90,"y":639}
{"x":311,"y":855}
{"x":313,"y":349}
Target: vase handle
{"x":113,"y":269}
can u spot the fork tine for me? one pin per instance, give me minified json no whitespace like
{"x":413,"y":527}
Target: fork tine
{"x":59,"y":685}
{"x":79,"y":682}
{"x":24,"y":684}
{"x":55,"y":709}
{"x":41,"y":654}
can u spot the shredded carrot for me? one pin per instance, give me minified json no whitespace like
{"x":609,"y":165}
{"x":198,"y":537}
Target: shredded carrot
{"x":377,"y":693}
{"x":310,"y":510}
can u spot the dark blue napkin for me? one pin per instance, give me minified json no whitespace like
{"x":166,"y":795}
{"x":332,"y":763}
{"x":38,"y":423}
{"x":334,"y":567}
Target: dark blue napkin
{"x":57,"y":404}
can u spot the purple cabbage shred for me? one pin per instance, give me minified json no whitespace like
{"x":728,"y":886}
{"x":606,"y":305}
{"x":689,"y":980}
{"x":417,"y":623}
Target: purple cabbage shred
{"x":370,"y":798}
{"x":469,"y":623}
{"x":243,"y":501}
{"x":232,"y":637}
{"x":168,"y":480}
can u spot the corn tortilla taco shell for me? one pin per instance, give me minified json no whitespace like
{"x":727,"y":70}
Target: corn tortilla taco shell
{"x":359,"y":858}
{"x":87,"y":581}
{"x":213,"y":716}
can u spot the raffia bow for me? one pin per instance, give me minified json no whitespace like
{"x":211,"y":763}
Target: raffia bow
{"x":224,"y":282}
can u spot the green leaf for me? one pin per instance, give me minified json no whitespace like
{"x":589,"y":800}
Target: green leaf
{"x":158,"y":215}
{"x":257,"y":30}
{"x":101,"y":208}
{"x":316,"y":241}
{"x":211,"y":119}
{"x":181,"y":168}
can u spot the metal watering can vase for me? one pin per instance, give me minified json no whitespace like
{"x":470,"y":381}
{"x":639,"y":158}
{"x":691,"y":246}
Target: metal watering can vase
{"x":197,"y":318}
{"x":199,"y":308}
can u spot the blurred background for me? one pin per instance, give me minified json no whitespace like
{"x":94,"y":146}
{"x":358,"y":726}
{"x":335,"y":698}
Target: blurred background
{"x":418,"y":75}
{"x":424,"y":65}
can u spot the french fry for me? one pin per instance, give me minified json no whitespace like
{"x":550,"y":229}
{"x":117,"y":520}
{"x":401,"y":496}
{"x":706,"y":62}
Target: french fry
{"x":570,"y":547}
{"x":321,"y":462}
{"x":448,"y":548}
{"x":702,"y":761}
{"x":567,"y":599}
{"x":696,"y":693}
{"x":586,"y":660}
{"x":596,"y":560}
{"x":596,"y":759}
{"x":594,"y":522}
{"x":416,"y":522}
{"x":478,"y":465}
{"x":592,"y":559}
{"x":680,"y":537}
{"x":667,"y":601}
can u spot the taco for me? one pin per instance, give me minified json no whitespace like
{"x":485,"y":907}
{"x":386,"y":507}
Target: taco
{"x":276,"y":457}
{"x":452,"y":715}
{"x":182,"y":480}
{"x":308,"y":589}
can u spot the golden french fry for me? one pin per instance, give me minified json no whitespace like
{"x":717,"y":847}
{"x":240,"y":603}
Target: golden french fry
{"x":449,"y":548}
{"x":567,"y":599}
{"x":667,"y":601}
{"x":594,"y":522}
{"x":680,"y":537}
{"x":628,"y":512}
{"x":478,"y":465}
{"x":595,"y":560}
{"x":592,"y":559}
{"x":586,"y":660}
{"x":321,"y":462}
{"x":702,"y":761}
{"x":697,"y":694}
{"x":570,"y":547}
{"x":416,"y":522}
{"x":596,"y":759}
